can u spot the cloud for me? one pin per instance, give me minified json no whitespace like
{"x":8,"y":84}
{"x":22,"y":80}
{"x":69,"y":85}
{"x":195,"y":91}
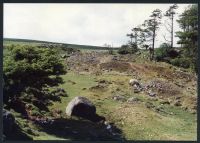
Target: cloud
{"x":89,"y":24}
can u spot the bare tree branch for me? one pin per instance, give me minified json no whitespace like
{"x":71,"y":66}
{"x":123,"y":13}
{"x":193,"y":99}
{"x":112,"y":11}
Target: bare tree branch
{"x":167,"y":28}
{"x":166,"y":39}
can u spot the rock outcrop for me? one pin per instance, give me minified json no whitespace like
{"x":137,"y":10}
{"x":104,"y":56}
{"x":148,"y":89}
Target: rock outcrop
{"x":82,"y":107}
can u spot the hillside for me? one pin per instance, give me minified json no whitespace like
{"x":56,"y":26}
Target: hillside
{"x":133,"y":114}
{"x":8,"y":41}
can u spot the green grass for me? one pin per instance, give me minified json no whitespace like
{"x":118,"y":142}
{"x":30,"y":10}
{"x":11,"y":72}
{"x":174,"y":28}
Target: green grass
{"x":139,"y":122}
{"x":81,"y":81}
{"x":135,"y":120}
{"x":180,"y":126}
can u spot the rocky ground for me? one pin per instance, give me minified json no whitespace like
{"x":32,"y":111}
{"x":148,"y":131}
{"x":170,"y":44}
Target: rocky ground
{"x":162,"y":105}
{"x":171,"y":84}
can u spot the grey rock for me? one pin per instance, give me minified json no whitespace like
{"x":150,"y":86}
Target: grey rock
{"x":133,"y":100}
{"x":152,"y":94}
{"x":8,"y":122}
{"x":81,"y":107}
{"x":118,"y":98}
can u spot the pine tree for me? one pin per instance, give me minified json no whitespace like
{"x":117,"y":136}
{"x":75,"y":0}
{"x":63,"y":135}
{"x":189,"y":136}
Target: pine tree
{"x":188,"y":37}
{"x":151,"y":26}
{"x":170,"y":28}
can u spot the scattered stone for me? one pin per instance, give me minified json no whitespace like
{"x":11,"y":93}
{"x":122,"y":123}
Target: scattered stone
{"x":177,"y":103}
{"x":149,"y":105}
{"x":108,"y":127}
{"x":133,"y":100}
{"x":136,"y":90}
{"x":159,"y":109}
{"x":84,"y":88}
{"x":151,"y":94}
{"x":119,"y":98}
{"x":133,"y":82}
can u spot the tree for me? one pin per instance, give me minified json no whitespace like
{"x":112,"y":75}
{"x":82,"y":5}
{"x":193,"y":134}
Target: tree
{"x":151,"y":26}
{"x":124,"y":49}
{"x":131,"y":37}
{"x":188,"y":37}
{"x":170,"y":15}
{"x":136,"y":35}
{"x":28,"y":72}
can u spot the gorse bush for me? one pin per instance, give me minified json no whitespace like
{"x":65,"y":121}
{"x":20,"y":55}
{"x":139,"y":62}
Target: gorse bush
{"x":28,"y":71}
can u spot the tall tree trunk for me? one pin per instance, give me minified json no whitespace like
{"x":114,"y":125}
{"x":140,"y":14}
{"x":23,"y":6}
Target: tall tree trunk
{"x":154,"y":31}
{"x":172,"y":31}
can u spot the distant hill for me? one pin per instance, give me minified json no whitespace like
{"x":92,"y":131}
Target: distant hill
{"x":7,"y":41}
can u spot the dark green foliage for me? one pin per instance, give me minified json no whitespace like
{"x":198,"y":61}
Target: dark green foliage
{"x":35,"y":113}
{"x":188,"y":37}
{"x":28,"y":71}
{"x":149,"y":31}
{"x":134,"y":48}
{"x":110,"y":51}
{"x":181,"y":62}
{"x":161,"y":52}
{"x":165,"y":52}
{"x":125,"y":49}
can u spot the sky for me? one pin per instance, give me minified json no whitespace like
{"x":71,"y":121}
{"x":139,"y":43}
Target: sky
{"x":85,"y":24}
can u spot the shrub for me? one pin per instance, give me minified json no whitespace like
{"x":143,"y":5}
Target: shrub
{"x":134,"y":48}
{"x":181,"y":62}
{"x":27,"y":70}
{"x":110,"y":51}
{"x":172,"y":53}
{"x":35,"y":113}
{"x":161,"y":52}
{"x":165,"y":52}
{"x":124,"y":50}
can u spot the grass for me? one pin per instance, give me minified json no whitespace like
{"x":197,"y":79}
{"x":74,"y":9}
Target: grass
{"x":136,"y":121}
{"x":139,"y":122}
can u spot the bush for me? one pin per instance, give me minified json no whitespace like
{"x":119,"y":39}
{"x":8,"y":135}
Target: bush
{"x":35,"y":113}
{"x":27,"y":70}
{"x":110,"y":51}
{"x":124,"y":50}
{"x":161,"y":52}
{"x":134,"y":48}
{"x":172,"y":53}
{"x":165,"y":52}
{"x":181,"y":62}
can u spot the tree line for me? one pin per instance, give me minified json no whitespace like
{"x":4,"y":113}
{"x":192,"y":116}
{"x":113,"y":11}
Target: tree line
{"x":144,"y":35}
